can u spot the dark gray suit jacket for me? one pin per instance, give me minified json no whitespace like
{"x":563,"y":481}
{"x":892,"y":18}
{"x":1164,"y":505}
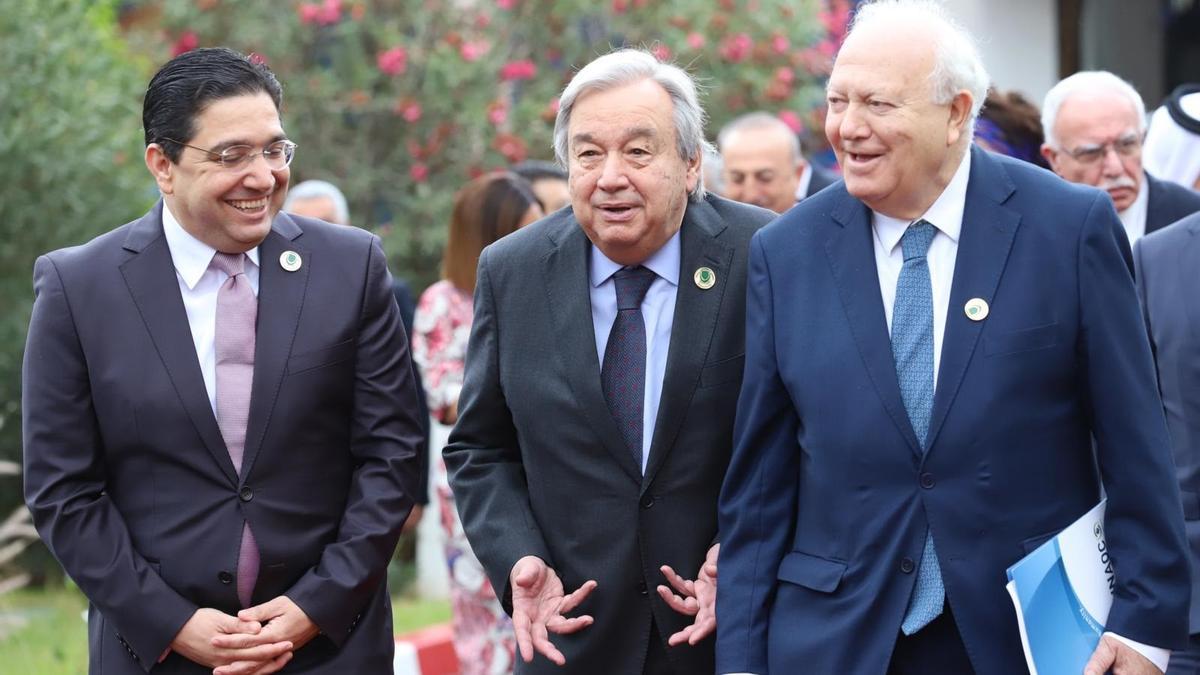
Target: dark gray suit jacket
{"x":129,"y":480}
{"x":537,"y":464}
{"x":1168,"y":202}
{"x":1166,"y":263}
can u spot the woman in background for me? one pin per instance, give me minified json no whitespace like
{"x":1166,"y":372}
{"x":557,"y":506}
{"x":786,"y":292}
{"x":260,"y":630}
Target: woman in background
{"x":485,"y":210}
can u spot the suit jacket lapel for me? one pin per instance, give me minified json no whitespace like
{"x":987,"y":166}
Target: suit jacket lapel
{"x":150,"y":276}
{"x":692,"y":328}
{"x":987,"y":235}
{"x":851,"y":254}
{"x":1187,"y":256}
{"x":280,"y":298}
{"x":569,"y":298}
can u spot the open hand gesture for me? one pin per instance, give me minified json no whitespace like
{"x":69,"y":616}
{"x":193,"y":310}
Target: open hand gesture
{"x":695,"y":598}
{"x":538,"y":607}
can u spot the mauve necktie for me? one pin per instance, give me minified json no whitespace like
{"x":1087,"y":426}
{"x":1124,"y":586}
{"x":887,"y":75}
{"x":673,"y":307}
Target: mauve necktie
{"x":237,"y":309}
{"x":623,"y":374}
{"x":912,"y":347}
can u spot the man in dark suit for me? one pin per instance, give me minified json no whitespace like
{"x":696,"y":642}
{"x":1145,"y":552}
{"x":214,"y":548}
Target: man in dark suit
{"x":1166,"y":263}
{"x":219,"y":412}
{"x":1095,"y":124}
{"x":603,"y":370}
{"x":761,"y":163}
{"x":931,"y":348}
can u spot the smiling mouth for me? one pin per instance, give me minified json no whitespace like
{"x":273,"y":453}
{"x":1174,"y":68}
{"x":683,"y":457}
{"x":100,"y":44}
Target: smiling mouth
{"x":248,"y":204}
{"x":616,"y":209}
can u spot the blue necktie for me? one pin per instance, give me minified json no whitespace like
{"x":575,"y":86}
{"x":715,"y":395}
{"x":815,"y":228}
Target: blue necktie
{"x":623,"y":374}
{"x":912,"y":347}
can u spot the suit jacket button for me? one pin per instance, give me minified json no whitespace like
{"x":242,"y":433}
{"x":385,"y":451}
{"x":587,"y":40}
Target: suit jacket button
{"x":907,"y":566}
{"x":647,"y":501}
{"x":642,"y":588}
{"x":225,"y":577}
{"x":246,"y":494}
{"x":927,"y":481}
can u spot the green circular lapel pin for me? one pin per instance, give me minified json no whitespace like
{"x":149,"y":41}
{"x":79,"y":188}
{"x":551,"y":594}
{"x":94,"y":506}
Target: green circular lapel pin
{"x":976,"y":309}
{"x":705,"y":278}
{"x":290,"y":261}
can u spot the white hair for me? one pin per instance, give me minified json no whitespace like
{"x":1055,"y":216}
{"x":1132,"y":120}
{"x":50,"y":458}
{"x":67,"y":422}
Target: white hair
{"x":627,"y":66}
{"x":1090,"y":81}
{"x":957,"y":64}
{"x":759,"y":120}
{"x":319,"y":189}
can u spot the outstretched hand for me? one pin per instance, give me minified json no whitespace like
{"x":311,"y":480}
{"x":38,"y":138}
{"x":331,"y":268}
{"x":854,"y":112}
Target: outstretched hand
{"x":696,"y":598}
{"x":538,"y":607}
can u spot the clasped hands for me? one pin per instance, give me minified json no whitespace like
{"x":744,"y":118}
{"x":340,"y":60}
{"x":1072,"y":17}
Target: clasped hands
{"x":539,"y":604}
{"x":258,"y":641}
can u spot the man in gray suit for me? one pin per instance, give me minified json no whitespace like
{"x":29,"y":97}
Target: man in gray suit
{"x":1166,"y":262}
{"x":601,"y":380}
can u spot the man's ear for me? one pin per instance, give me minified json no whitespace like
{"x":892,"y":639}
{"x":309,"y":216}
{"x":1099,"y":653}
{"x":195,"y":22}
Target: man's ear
{"x":1051,"y":156}
{"x":161,"y":167}
{"x":960,"y":112}
{"x":692,"y":176}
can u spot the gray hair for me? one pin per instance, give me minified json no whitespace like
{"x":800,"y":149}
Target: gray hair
{"x":759,"y":120}
{"x":318,"y":189}
{"x":1090,"y":81}
{"x":627,"y":66}
{"x":957,"y":64}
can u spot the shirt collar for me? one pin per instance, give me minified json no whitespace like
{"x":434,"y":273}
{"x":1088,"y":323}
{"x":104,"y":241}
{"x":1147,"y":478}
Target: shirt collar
{"x":190,"y":256}
{"x":664,"y":262}
{"x":946,"y":213}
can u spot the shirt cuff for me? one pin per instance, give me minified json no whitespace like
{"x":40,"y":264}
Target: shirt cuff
{"x":1157,"y":655}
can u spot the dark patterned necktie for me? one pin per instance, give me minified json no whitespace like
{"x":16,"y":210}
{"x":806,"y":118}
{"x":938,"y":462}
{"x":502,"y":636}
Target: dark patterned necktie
{"x":623,"y":374}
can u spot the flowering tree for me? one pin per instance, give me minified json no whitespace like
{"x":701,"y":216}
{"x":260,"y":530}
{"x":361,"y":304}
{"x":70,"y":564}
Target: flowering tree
{"x":399,"y":102}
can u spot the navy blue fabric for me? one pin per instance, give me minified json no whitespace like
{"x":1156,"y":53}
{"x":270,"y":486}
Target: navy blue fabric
{"x":623,"y":375}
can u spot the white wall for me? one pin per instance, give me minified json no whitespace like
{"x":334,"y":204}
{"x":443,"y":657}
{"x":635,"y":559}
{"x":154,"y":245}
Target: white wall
{"x":1018,"y":39}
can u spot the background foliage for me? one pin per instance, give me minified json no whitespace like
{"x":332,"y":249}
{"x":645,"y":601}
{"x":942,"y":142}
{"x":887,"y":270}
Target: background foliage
{"x":72,"y":168}
{"x":399,"y":102}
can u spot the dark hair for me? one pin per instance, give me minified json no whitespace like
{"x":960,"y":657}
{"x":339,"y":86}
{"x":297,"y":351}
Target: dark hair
{"x":485,"y":209}
{"x":1011,"y":125}
{"x":534,"y":170}
{"x":188,"y":83}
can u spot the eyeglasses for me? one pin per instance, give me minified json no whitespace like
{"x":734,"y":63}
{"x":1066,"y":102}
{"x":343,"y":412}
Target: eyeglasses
{"x":1125,"y":146}
{"x":277,"y":155}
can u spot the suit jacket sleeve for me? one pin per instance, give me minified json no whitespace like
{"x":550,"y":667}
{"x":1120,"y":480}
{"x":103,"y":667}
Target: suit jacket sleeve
{"x":385,"y":431}
{"x":66,"y":481}
{"x":1144,"y":522}
{"x":757,"y":505}
{"x":483,"y":458}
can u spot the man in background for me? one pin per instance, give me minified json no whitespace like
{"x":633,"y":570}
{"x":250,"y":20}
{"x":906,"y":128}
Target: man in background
{"x":549,"y":183}
{"x":1095,"y":123}
{"x":762,"y":163}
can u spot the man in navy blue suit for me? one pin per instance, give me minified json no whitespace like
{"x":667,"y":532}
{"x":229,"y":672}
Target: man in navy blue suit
{"x":931,"y":347}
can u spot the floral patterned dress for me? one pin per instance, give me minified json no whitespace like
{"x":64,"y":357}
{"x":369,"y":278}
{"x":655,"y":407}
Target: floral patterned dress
{"x":483,"y":633}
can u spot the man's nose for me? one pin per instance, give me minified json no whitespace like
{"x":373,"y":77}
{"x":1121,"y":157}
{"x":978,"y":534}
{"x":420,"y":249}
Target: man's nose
{"x":612,"y":173}
{"x":259,"y":176}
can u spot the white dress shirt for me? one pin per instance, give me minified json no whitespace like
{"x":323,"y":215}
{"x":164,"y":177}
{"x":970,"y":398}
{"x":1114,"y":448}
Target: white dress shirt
{"x":804,"y":182}
{"x":658,"y":311}
{"x":199,"y":285}
{"x":1134,"y":217}
{"x":946,"y":214}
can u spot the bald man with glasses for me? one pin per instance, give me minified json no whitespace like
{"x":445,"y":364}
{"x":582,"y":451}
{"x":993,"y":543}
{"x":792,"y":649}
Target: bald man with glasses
{"x":1095,"y":123}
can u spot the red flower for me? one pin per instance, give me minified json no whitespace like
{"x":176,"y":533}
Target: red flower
{"x":736,"y":47}
{"x":309,"y":12}
{"x":661,"y":52}
{"x":410,"y":110}
{"x":497,"y":113}
{"x":619,"y":6}
{"x":780,"y":43}
{"x":511,"y":147}
{"x":186,"y":43}
{"x":518,"y":70}
{"x":418,"y":172}
{"x":695,"y":40}
{"x":506,"y":4}
{"x":471,"y":51}
{"x":393,"y":61}
{"x":331,"y":12}
{"x":792,"y":120}
{"x":785,"y":75}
